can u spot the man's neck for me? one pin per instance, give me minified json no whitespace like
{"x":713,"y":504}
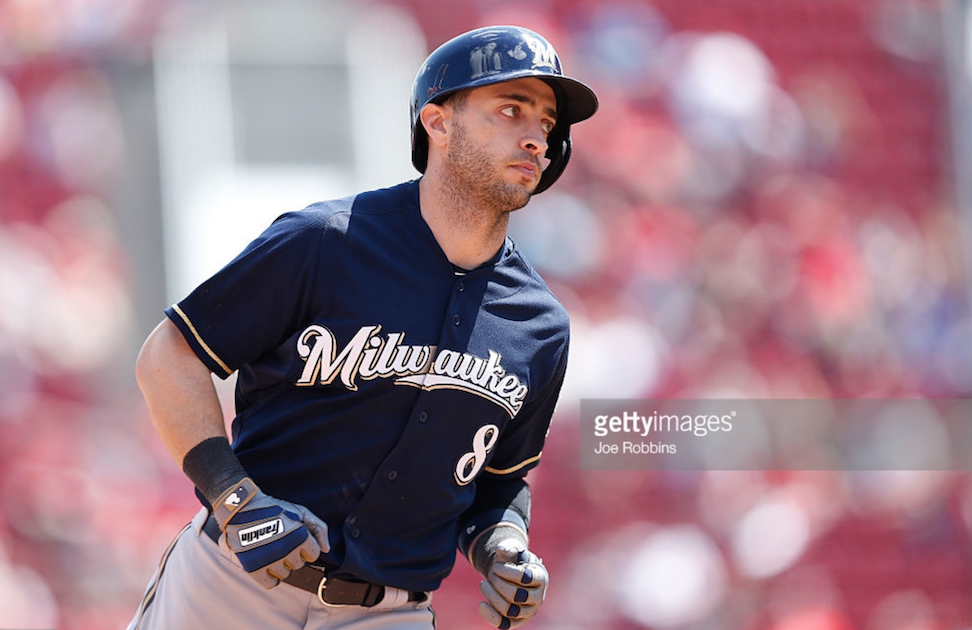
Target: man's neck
{"x":468,"y":234}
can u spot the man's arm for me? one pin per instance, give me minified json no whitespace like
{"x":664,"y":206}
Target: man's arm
{"x":493,"y":537}
{"x":494,"y":530}
{"x":179,"y":391}
{"x":500,"y":510}
{"x":185,"y":410}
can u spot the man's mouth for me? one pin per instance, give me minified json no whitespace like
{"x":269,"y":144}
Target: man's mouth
{"x":529,"y":169}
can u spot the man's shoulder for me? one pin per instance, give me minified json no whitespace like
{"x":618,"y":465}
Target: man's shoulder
{"x":531,"y":287}
{"x":336,"y":214}
{"x":403,"y":196}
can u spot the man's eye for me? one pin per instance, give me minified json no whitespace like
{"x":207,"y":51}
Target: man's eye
{"x":510,"y":111}
{"x":548,"y":127}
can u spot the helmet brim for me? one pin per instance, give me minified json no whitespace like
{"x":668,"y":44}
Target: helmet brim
{"x":575,"y":101}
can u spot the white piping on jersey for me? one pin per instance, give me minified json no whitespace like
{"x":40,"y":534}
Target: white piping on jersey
{"x":369,"y":356}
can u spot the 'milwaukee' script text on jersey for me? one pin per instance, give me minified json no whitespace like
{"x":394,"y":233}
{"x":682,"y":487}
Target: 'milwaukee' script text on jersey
{"x":369,"y":356}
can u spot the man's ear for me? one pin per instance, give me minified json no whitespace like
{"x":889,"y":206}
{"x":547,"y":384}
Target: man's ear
{"x":434,"y":119}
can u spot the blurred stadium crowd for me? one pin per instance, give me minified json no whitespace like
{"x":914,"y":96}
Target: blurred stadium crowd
{"x":763,"y":208}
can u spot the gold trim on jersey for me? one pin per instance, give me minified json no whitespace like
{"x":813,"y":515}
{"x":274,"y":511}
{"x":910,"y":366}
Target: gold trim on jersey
{"x":507,"y":471}
{"x":199,"y":340}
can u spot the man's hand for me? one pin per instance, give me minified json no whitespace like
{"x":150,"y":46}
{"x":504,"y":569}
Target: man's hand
{"x":514,"y":587}
{"x":270,"y":537}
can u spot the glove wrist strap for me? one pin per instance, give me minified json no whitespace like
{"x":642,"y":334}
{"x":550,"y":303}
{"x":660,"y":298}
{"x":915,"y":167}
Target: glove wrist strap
{"x":233,"y":500}
{"x":483,"y":548}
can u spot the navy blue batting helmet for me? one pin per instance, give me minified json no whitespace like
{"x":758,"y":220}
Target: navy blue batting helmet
{"x":494,"y":54}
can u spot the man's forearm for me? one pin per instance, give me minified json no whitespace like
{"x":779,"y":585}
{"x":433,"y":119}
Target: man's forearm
{"x":501,"y":508}
{"x":179,"y":391}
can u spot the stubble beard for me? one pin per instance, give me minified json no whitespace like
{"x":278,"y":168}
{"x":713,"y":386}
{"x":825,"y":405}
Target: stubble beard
{"x":472,"y":178}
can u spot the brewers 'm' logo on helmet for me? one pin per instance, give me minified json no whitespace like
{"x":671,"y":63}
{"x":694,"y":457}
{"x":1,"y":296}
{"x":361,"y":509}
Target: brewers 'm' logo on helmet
{"x":543,"y":53}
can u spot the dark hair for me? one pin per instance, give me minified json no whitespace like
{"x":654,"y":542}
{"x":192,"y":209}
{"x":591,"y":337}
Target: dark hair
{"x":457,"y":100}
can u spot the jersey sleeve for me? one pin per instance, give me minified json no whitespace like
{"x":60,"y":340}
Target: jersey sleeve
{"x":253,"y":303}
{"x":502,"y":494}
{"x":520,"y":446}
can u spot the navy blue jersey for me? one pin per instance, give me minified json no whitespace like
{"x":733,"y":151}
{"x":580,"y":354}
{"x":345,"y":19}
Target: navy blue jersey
{"x":375,"y":384}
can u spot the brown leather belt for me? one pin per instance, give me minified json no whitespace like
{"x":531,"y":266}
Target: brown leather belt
{"x":331,"y":591}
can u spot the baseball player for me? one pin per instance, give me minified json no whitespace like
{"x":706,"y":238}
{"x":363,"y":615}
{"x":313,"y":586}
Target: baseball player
{"x":398,"y":363}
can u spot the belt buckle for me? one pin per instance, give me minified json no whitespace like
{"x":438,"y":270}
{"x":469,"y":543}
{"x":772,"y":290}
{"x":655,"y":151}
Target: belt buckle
{"x":320,"y":594}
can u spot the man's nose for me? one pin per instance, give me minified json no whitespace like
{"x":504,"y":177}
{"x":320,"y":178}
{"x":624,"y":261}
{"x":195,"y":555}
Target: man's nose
{"x":534,"y":141}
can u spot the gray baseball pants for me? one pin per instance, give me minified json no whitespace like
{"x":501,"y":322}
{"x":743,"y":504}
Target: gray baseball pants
{"x":200,"y":585}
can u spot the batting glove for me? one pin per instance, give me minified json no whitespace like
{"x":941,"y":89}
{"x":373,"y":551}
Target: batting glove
{"x":514,"y":587}
{"x":270,"y":537}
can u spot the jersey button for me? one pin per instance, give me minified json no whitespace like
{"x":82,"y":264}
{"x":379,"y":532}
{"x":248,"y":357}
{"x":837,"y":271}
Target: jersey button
{"x":424,"y":416}
{"x":461,"y":287}
{"x":456,"y":319}
{"x":392,"y":475}
{"x":355,"y":532}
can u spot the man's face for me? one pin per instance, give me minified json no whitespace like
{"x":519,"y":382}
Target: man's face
{"x":498,"y":140}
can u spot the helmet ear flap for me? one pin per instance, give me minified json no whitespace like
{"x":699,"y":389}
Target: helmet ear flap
{"x":558,"y":152}
{"x":420,"y":147}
